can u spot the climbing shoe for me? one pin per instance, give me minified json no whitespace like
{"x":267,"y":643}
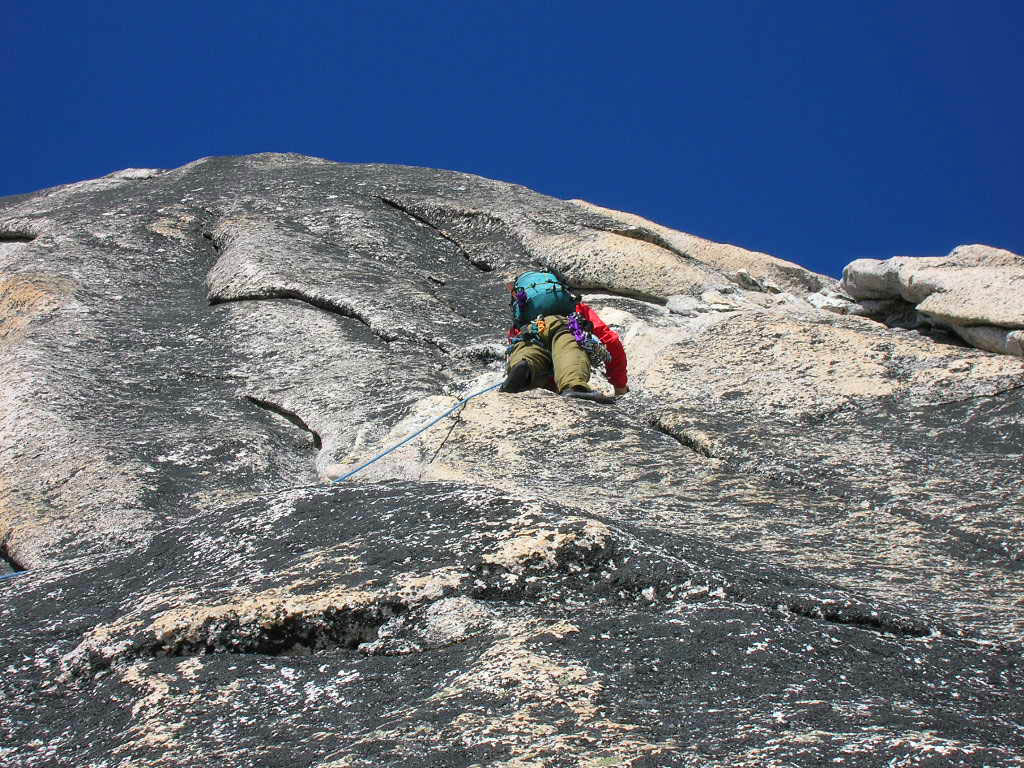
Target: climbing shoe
{"x":581,"y":393}
{"x":519,"y":378}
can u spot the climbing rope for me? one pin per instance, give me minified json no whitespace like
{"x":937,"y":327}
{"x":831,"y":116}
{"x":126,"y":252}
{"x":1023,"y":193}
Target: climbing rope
{"x":379,"y":456}
{"x":417,"y":432}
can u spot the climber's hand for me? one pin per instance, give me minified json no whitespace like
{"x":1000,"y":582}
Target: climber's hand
{"x":620,"y":391}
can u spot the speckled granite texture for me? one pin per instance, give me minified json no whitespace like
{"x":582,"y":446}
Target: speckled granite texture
{"x":798,"y":541}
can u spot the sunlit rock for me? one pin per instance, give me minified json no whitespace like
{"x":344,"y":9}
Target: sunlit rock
{"x":799,"y":537}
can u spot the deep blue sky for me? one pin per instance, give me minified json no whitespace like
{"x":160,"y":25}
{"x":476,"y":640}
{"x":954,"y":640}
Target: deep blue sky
{"x":818,"y":132}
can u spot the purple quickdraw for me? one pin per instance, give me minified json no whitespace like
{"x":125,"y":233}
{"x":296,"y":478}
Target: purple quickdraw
{"x":521,"y":299}
{"x":574,"y":327}
{"x":588,"y":342}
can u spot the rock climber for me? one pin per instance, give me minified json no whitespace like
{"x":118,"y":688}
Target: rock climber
{"x":555,"y":339}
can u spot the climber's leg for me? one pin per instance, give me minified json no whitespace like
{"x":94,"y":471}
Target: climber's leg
{"x":538,"y":369}
{"x":570,"y":362}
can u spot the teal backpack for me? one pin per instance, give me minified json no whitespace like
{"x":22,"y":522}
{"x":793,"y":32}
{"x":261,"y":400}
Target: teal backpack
{"x":539,"y":293}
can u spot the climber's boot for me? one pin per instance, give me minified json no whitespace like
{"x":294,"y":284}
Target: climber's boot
{"x":583,"y":393}
{"x":519,"y":378}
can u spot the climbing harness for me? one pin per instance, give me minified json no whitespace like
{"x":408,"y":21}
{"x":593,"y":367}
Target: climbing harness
{"x":416,"y":433}
{"x":530,"y":334}
{"x":581,"y":330}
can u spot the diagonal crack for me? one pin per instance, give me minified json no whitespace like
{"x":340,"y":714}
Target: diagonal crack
{"x":9,"y":560}
{"x":455,"y":423}
{"x":213,"y":241}
{"x":481,"y":265}
{"x":646,"y":236}
{"x":692,"y":439}
{"x":290,"y":415}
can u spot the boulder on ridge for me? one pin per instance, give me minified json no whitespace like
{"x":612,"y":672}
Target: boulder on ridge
{"x":976,"y":291}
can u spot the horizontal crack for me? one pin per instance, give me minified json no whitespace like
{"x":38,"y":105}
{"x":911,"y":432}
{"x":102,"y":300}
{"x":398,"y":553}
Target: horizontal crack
{"x":493,"y":585}
{"x":297,"y":295}
{"x":483,"y":266}
{"x":337,"y":309}
{"x":16,"y":237}
{"x":276,"y":630}
{"x":834,"y":614}
{"x":649,"y":298}
{"x":290,"y":415}
{"x":290,"y":634}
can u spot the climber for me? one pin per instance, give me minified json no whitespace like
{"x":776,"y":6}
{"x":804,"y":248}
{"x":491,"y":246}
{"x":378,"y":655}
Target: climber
{"x":555,"y":339}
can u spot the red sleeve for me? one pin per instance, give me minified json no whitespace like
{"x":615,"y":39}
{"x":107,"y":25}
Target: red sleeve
{"x":616,"y":367}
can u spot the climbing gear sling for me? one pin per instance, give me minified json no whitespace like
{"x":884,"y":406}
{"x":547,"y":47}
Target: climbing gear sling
{"x":582,"y":331}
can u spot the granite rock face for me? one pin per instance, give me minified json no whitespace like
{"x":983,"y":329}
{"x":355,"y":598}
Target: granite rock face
{"x":798,"y":540}
{"x":976,"y":291}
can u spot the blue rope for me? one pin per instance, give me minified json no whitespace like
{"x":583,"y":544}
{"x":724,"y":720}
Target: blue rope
{"x":417,"y":432}
{"x":4,"y":577}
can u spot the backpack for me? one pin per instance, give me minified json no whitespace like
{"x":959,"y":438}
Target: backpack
{"x":540,"y":294}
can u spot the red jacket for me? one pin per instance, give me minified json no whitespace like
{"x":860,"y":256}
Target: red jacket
{"x":615,"y":369}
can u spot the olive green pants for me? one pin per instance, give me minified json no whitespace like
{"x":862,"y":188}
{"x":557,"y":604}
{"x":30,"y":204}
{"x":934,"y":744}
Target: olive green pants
{"x":560,"y":356}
